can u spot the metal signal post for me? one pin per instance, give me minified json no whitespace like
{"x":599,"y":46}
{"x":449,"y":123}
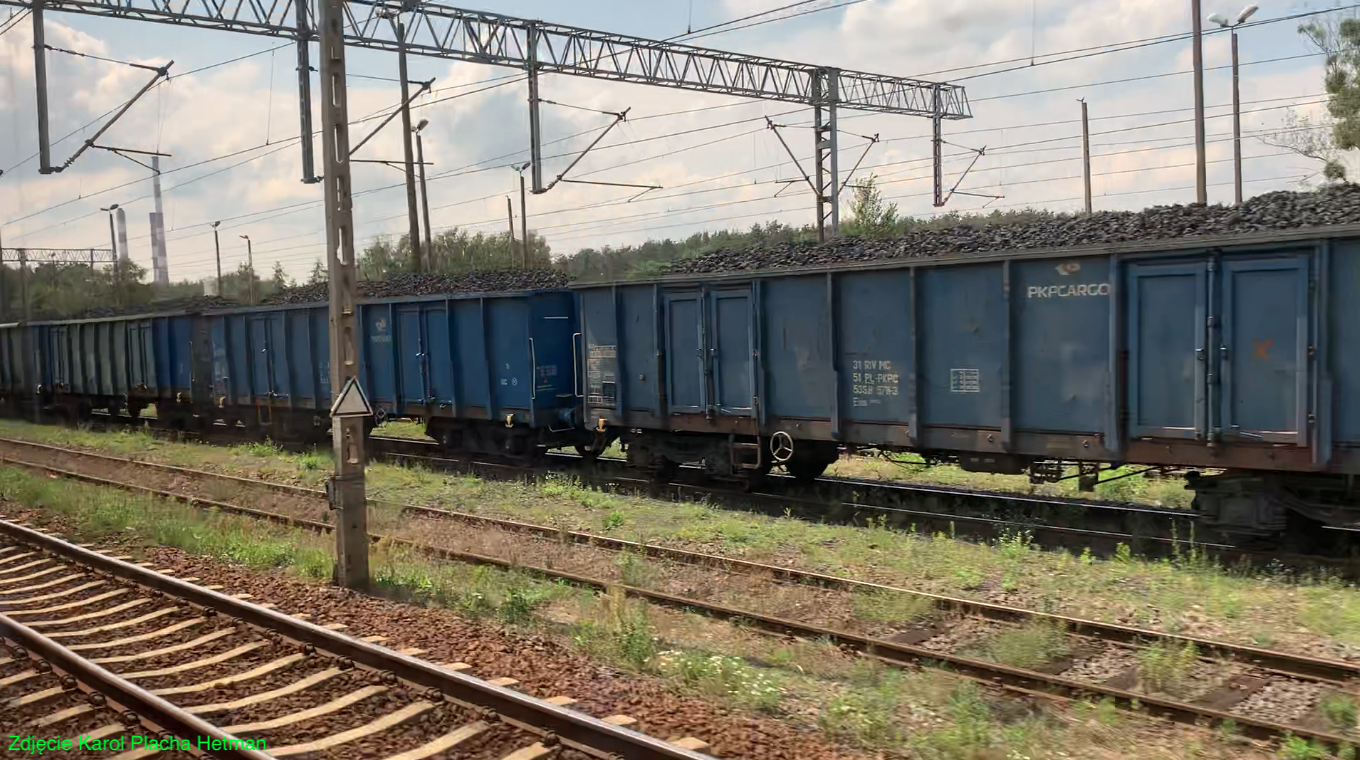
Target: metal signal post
{"x":347,"y":493}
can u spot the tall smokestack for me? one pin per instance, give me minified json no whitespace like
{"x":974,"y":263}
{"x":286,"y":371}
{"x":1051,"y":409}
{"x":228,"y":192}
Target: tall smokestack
{"x":121,"y":217}
{"x":159,"y":265}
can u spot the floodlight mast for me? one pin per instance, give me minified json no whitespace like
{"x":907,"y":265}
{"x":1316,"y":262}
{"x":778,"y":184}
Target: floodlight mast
{"x":536,"y":47}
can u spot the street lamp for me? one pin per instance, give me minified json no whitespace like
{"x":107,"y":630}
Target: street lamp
{"x":250,"y":266}
{"x":424,"y":191}
{"x":394,"y":15}
{"x":523,"y":217}
{"x":113,"y":239}
{"x":1231,"y":26}
{"x":217,"y":246}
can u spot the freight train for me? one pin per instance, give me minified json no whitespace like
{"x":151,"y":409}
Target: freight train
{"x":1235,"y":356}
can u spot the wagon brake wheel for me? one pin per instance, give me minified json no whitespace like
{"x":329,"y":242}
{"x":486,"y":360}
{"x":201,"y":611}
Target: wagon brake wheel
{"x":781,"y":446}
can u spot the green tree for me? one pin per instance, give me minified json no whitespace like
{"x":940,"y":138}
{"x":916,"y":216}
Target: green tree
{"x":1326,"y":139}
{"x":318,"y":274}
{"x":871,"y":216}
{"x":279,"y":279}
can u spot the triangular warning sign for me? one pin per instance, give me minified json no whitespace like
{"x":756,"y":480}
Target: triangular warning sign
{"x":351,"y":402}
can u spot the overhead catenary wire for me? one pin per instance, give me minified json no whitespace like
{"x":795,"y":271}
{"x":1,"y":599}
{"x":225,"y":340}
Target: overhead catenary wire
{"x":728,"y":105}
{"x":299,"y":206}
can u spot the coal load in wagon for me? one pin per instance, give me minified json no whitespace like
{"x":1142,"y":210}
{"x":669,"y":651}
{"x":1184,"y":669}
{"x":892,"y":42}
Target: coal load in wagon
{"x":401,"y":285}
{"x":189,"y":304}
{"x":1283,"y":210}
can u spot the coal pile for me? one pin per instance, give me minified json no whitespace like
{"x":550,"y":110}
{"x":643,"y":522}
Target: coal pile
{"x":1283,"y":210}
{"x":408,"y":284}
{"x":191,"y":304}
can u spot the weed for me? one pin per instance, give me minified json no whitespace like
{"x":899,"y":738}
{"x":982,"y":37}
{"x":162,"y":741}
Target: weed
{"x":1107,"y":712}
{"x":1228,"y":731}
{"x":266,"y":449}
{"x":1122,"y":553}
{"x":613,"y":521}
{"x":1339,"y":710}
{"x":1165,"y":666}
{"x":623,"y":632}
{"x":1015,"y":547}
{"x":892,"y":607}
{"x":1263,"y":639}
{"x":310,"y":462}
{"x":727,"y":677}
{"x":1030,"y":646}
{"x":519,"y":605}
{"x":1297,"y":748}
{"x":1345,"y":752}
{"x":969,"y":578}
{"x":634,"y":570}
{"x":867,"y":716}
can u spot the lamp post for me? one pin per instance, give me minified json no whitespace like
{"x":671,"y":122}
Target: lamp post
{"x":523,"y":218}
{"x":1231,"y":26}
{"x":424,"y":191}
{"x":113,"y":238}
{"x":217,"y":246}
{"x":250,"y":266}
{"x":113,"y":245}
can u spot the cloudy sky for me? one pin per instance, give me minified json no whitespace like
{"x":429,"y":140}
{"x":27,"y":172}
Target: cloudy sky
{"x":232,"y":129}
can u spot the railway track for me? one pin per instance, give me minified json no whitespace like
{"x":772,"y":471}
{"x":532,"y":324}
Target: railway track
{"x":1263,"y":693}
{"x":107,"y":650}
{"x":1077,"y":524}
{"x":1102,"y":528}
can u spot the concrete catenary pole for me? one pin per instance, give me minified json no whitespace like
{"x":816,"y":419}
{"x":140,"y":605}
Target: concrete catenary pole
{"x":40,"y":78}
{"x":424,"y":198}
{"x":1197,"y":53}
{"x":417,"y":265}
{"x":250,"y":270}
{"x":510,"y":214}
{"x":1237,"y":128}
{"x":1086,"y":155}
{"x":523,"y":220}
{"x":347,"y":433}
{"x":217,"y":248}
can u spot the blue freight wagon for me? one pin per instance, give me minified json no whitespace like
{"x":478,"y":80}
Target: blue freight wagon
{"x":1239,"y":355}
{"x":120,"y":364}
{"x":489,"y":373}
{"x":17,"y":377}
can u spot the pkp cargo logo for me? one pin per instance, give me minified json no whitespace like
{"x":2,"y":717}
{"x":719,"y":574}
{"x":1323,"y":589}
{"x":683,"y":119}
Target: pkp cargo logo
{"x":1068,"y":268}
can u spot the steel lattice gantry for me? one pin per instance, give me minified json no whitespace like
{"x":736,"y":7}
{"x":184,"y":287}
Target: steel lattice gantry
{"x":534,"y":46}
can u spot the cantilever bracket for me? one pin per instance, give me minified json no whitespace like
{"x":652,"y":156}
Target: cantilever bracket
{"x":161,"y":71}
{"x":775,"y":128}
{"x":424,"y":86}
{"x":862,"y":156}
{"x":977,"y":153}
{"x":123,"y":152}
{"x":619,"y":118}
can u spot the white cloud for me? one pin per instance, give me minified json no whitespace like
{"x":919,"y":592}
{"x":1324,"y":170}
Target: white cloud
{"x":226,"y":110}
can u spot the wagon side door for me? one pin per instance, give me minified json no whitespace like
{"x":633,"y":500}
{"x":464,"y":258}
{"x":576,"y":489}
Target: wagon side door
{"x":1168,"y":361}
{"x":1263,"y":350}
{"x":730,"y":342}
{"x":412,"y":361}
{"x":686,"y":386}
